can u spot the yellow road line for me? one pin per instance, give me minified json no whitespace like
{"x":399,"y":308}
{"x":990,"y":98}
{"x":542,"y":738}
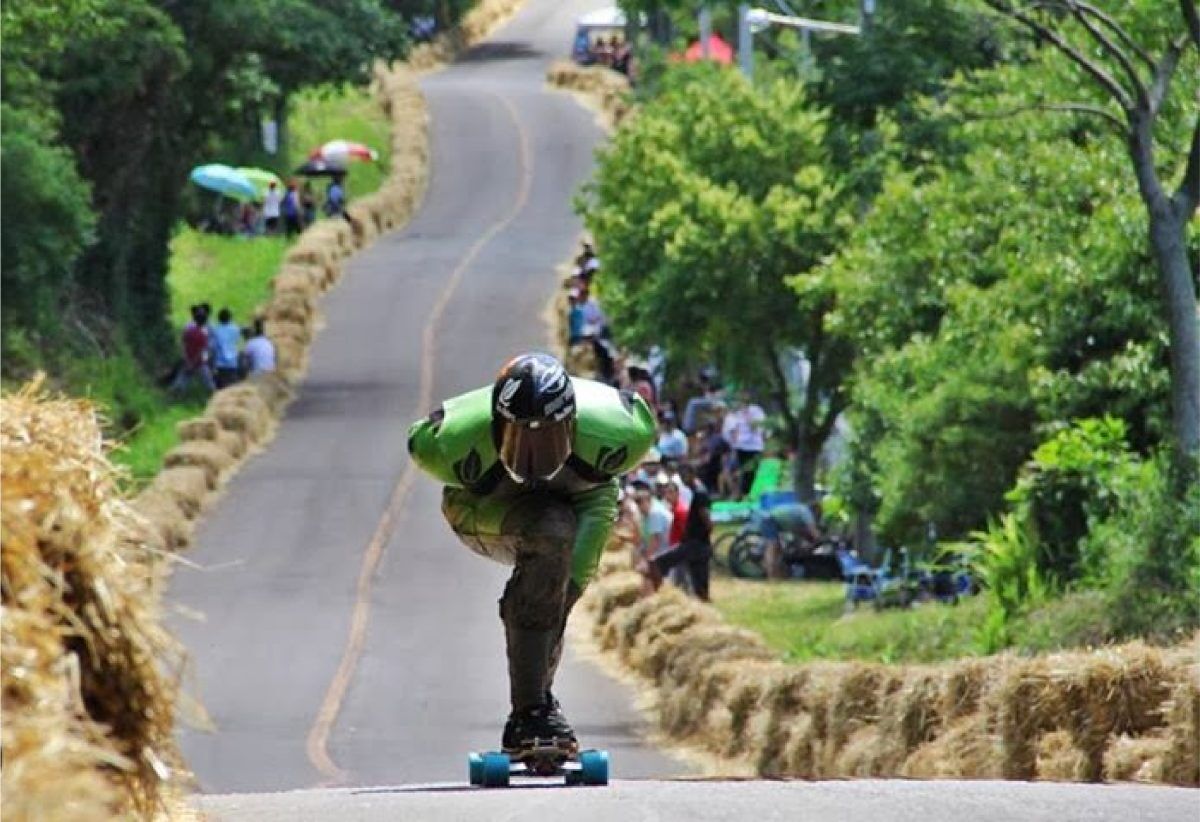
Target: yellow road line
{"x":317,"y":745}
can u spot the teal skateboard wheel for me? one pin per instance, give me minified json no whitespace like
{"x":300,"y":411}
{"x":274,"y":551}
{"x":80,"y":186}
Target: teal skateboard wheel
{"x":496,"y":769}
{"x":475,"y":768}
{"x":593,"y":767}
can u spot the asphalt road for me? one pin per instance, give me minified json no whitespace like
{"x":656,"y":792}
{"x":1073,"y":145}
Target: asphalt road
{"x":858,"y":801}
{"x":425,"y":313}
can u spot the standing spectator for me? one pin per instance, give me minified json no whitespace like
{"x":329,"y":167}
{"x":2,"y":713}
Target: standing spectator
{"x":335,"y":196}
{"x":694,"y":550}
{"x":672,"y":443}
{"x":586,"y":265}
{"x":195,"y":354}
{"x":594,"y":320}
{"x":671,"y":497}
{"x":272,"y":201}
{"x":259,"y":353}
{"x":575,"y":321}
{"x":308,"y":203}
{"x":293,"y":220}
{"x":743,"y":427}
{"x":223,"y":346}
{"x":656,"y":527}
{"x":248,"y":219}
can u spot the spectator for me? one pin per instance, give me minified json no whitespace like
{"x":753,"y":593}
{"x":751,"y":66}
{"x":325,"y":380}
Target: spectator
{"x":672,"y":443}
{"x":700,"y":409}
{"x":259,"y":353}
{"x":621,"y":58}
{"x":223,"y":347}
{"x":335,"y":196}
{"x":293,"y":220}
{"x":656,"y":527}
{"x":308,"y":203}
{"x":743,"y":428}
{"x":594,"y":321}
{"x":714,"y":449}
{"x":694,"y":550}
{"x":195,"y":354}
{"x":586,"y":265}
{"x":575,"y":322}
{"x":793,"y":517}
{"x":248,"y":219}
{"x":272,"y":201}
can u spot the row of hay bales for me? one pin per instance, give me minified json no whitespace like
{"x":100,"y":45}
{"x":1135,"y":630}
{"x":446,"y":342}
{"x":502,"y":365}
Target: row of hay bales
{"x":485,"y":17}
{"x":242,"y":417}
{"x":1122,"y":713}
{"x":604,"y":88}
{"x":90,"y":678}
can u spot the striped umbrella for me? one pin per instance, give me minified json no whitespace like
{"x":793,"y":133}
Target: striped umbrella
{"x":341,"y":152}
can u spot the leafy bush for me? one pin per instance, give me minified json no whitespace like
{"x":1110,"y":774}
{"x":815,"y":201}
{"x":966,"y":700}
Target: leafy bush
{"x":1074,"y":479}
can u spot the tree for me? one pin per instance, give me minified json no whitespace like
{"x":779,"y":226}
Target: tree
{"x":1127,"y":87}
{"x":712,"y":209}
{"x":979,"y":331}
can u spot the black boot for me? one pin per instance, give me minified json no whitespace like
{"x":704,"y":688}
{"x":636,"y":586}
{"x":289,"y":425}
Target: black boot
{"x":539,"y":726}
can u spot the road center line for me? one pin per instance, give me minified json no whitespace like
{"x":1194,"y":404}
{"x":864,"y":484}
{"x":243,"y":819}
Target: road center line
{"x":317,"y":745}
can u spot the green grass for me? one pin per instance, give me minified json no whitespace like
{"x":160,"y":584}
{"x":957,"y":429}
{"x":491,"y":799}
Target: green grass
{"x":807,"y":621}
{"x":143,"y":449}
{"x":228,"y":272}
{"x":324,"y":114}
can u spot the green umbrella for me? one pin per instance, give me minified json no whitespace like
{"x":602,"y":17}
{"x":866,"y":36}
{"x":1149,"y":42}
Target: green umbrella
{"x":262,"y":179}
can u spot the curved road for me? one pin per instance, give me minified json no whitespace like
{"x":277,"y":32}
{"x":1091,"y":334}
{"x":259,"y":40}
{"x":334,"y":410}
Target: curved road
{"x":425,"y":313}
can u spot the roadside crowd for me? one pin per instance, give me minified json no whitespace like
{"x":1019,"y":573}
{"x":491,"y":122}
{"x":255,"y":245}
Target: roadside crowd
{"x":217,"y":355}
{"x":287,"y":210}
{"x":712,"y":449}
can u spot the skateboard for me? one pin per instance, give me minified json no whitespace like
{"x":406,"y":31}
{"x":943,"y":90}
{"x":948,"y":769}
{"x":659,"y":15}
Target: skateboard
{"x":494,"y":769}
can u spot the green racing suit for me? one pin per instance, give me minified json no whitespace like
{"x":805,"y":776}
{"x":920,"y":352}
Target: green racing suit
{"x":553,"y":531}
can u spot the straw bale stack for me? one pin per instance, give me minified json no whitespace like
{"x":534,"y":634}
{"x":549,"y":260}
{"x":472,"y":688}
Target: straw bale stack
{"x":187,"y":485}
{"x":204,"y":429}
{"x":207,"y":456}
{"x":90,"y":678}
{"x":1118,"y":713}
{"x":600,"y":87}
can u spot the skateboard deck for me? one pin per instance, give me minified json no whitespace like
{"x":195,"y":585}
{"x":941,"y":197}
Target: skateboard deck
{"x":495,"y":769}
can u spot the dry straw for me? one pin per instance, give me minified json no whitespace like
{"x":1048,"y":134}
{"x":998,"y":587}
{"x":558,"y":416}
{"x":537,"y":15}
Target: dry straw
{"x":90,"y":677}
{"x":1119,"y":713}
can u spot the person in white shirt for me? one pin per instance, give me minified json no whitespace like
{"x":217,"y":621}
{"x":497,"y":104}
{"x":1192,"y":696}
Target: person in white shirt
{"x":656,"y":528}
{"x":743,"y":428}
{"x":272,"y":202}
{"x":259,"y":352}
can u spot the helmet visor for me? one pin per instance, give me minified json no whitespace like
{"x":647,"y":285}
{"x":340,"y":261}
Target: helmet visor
{"x":535,"y":453}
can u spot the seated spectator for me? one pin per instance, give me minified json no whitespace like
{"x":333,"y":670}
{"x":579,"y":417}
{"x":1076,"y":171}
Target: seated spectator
{"x":794,"y":517}
{"x":223,"y":347}
{"x":672,"y":443}
{"x":195,"y":354}
{"x":259,"y":354}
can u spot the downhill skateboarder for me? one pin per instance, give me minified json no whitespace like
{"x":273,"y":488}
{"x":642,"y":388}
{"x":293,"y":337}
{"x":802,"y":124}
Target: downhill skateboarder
{"x":530,"y":466}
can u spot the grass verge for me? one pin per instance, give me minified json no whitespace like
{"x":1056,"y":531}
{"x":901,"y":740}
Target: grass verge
{"x":808,"y":621}
{"x":228,"y":272}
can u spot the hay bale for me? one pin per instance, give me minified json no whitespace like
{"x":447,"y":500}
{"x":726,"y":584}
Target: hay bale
{"x":299,"y":279}
{"x":187,"y":485}
{"x":89,"y":676}
{"x":1027,"y":702}
{"x":232,"y":443}
{"x":207,"y":456}
{"x":1135,"y":759}
{"x":273,"y":388}
{"x":167,"y":523}
{"x":1059,"y":759}
{"x":291,"y":306}
{"x":284,"y":330}
{"x":964,"y":749}
{"x":1180,"y":763}
{"x":204,"y":429}
{"x":908,"y":718}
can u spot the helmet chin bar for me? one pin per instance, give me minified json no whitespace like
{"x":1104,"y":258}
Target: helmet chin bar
{"x":519,"y":480}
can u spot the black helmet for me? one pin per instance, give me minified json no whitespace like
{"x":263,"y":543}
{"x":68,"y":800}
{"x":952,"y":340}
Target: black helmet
{"x":533,"y":407}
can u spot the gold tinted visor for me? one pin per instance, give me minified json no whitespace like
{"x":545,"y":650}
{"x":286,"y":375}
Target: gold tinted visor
{"x":535,"y":453}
